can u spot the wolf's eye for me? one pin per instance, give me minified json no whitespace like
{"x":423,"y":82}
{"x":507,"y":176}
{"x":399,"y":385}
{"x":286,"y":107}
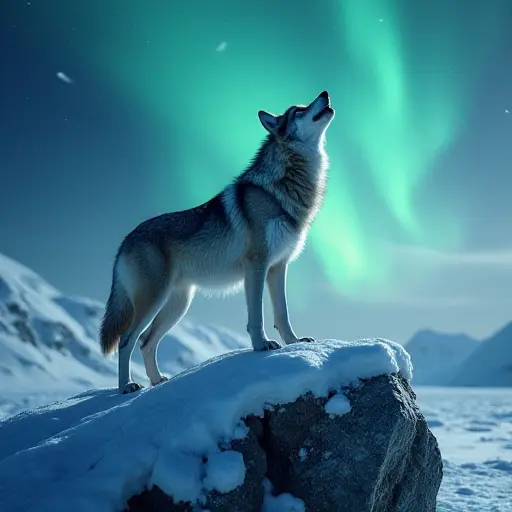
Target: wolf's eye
{"x":298,"y":113}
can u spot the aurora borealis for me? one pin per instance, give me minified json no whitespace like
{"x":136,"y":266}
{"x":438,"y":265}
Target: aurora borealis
{"x":401,"y":91}
{"x":160,"y":112}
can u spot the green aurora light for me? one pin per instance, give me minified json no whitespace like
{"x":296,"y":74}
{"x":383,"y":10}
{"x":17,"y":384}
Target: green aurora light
{"x":397,"y":77}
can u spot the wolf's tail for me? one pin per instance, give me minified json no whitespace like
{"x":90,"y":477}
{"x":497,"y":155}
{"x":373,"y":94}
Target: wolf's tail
{"x":117,"y":318}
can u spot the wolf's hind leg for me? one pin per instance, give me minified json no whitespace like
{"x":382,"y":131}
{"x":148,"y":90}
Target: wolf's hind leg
{"x":126,"y":344}
{"x":171,"y":313}
{"x":146,"y":308}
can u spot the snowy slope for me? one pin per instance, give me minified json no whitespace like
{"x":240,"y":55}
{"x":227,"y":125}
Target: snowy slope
{"x":49,"y":348}
{"x":436,"y":356}
{"x":95,"y":450}
{"x":490,"y":364}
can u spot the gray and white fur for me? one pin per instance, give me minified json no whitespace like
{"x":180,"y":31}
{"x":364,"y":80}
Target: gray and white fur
{"x":245,"y":235}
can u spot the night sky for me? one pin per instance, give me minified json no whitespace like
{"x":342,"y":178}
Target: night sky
{"x":115,"y":111}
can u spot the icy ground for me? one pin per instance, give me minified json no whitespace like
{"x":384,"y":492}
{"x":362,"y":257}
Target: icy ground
{"x":473,"y":427}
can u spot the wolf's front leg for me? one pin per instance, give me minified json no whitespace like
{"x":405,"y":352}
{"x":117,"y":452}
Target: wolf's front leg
{"x":276,"y":281}
{"x":254,"y":283}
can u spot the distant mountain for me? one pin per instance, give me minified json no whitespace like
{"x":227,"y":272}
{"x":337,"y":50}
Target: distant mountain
{"x":437,"y":356}
{"x":490,"y":364}
{"x":49,"y":347}
{"x":47,"y":340}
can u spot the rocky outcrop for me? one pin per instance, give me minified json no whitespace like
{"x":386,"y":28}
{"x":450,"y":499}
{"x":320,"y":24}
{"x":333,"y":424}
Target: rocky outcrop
{"x":373,"y":452}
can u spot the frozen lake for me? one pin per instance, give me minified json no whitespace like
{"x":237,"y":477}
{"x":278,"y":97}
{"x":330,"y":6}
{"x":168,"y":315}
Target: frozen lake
{"x":473,"y":427}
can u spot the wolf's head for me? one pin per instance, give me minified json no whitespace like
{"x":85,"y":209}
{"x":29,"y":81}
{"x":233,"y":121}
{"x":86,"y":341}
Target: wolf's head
{"x":300,"y":123}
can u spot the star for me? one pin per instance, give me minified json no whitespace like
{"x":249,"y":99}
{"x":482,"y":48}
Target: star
{"x":64,"y":78}
{"x":221,"y":47}
{"x":507,"y":111}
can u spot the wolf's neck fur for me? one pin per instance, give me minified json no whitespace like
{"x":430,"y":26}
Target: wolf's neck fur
{"x":294,"y":173}
{"x":274,"y":157}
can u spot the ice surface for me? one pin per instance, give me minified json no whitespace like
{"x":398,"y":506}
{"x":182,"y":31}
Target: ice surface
{"x":477,"y":464}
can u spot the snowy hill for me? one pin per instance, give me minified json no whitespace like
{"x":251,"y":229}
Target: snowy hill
{"x":49,"y":348}
{"x":436,"y":356}
{"x":490,"y":364}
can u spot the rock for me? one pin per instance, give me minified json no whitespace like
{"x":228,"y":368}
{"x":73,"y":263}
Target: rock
{"x":256,"y":468}
{"x":379,"y":457}
{"x":235,"y":501}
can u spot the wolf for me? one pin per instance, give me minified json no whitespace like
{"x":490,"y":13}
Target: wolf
{"x":243,"y":237}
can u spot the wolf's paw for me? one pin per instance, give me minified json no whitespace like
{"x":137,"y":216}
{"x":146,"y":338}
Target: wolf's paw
{"x":270,"y":345}
{"x":163,"y":379}
{"x":131,"y":387}
{"x":307,"y":340}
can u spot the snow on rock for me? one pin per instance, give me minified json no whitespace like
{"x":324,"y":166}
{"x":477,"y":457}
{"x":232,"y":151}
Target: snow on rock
{"x":225,"y":471}
{"x":284,"y":502}
{"x":178,"y":474}
{"x":339,"y":404}
{"x":490,"y":364}
{"x":98,"y":449}
{"x":436,"y":356}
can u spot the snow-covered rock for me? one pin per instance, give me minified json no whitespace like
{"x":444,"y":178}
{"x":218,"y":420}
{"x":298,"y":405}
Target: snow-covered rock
{"x":380,"y":457}
{"x":436,"y":356}
{"x":490,"y":364}
{"x":211,"y":434}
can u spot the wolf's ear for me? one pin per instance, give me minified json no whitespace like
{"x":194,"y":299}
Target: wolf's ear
{"x":268,"y":121}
